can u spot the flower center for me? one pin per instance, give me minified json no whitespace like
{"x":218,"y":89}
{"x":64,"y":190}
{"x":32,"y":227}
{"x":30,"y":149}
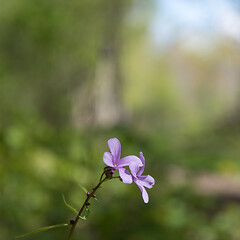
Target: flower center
{"x":115,"y":165}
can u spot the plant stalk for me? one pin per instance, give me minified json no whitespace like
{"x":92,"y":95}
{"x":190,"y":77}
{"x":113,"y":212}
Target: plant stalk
{"x":85,"y":204}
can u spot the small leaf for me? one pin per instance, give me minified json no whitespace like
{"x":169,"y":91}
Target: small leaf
{"x":69,"y":206}
{"x":44,"y":229}
{"x":83,"y":188}
{"x":96,"y":199}
{"x":86,"y":191}
{"x":85,"y":213}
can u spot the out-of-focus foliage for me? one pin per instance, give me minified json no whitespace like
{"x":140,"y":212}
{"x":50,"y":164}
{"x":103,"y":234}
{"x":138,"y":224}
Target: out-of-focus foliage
{"x":175,"y":111}
{"x":48,"y":49}
{"x":37,"y":167}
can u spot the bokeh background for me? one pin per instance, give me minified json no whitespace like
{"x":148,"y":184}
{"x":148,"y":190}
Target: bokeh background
{"x":162,"y":76}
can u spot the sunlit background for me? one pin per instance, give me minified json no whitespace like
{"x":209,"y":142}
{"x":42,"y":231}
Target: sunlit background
{"x":162,"y":76}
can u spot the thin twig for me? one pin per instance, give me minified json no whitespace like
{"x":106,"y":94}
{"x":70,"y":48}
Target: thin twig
{"x":85,"y":204}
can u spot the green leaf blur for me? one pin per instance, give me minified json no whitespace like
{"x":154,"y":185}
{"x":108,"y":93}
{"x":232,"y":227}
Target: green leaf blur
{"x":74,"y":74}
{"x":69,"y":206}
{"x":43,"y":229}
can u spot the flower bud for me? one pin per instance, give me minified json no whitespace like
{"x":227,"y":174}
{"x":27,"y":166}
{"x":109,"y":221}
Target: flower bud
{"x":109,"y":174}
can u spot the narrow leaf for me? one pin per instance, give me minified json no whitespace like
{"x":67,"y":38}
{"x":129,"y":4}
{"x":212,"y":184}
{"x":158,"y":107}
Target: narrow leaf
{"x":69,"y":206}
{"x":85,"y":213}
{"x":96,"y":199}
{"x":83,"y":218}
{"x":44,"y":229}
{"x":86,"y":191}
{"x":83,"y":188}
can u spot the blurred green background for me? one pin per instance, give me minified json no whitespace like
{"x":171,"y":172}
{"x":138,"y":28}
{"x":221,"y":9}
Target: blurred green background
{"x":161,"y":76}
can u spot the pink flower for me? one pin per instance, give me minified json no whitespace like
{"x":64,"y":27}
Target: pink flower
{"x":142,"y":181}
{"x":114,"y":161}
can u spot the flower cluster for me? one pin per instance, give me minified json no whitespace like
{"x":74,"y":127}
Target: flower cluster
{"x":136,"y":165}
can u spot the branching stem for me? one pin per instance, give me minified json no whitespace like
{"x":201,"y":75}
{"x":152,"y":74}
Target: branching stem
{"x":86,"y":203}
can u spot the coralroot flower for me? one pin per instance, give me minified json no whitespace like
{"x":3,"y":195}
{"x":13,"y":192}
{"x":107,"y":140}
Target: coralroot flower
{"x":142,"y":181}
{"x":113,"y":160}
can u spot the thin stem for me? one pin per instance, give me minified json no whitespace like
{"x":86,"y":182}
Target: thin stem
{"x":85,"y":204}
{"x":101,"y":177}
{"x":117,"y":177}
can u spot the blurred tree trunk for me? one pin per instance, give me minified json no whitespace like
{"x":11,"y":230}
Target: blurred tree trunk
{"x":229,"y":84}
{"x":102,"y":97}
{"x":107,"y":89}
{"x":108,"y":79}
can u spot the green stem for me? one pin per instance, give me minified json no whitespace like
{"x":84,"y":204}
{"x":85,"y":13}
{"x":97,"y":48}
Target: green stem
{"x":85,"y":204}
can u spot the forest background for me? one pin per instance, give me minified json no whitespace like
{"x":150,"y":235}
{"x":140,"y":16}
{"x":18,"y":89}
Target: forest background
{"x":161,"y":76}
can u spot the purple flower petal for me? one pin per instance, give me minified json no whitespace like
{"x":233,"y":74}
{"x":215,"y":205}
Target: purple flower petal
{"x":125,"y":175}
{"x":108,"y":159}
{"x":146,"y":181}
{"x":115,"y":148}
{"x":134,"y":167}
{"x":143,"y":163}
{"x":126,"y":161}
{"x":144,"y":193}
